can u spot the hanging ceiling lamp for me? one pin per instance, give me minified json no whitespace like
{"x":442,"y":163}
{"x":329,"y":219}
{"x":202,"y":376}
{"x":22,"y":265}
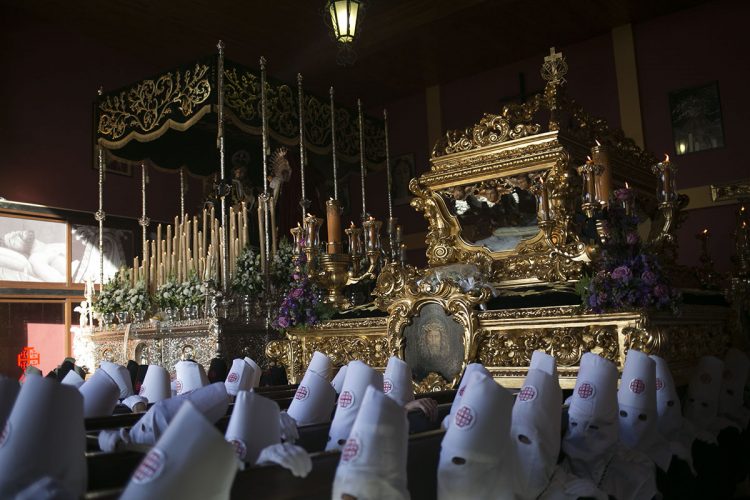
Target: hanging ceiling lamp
{"x":345,"y":17}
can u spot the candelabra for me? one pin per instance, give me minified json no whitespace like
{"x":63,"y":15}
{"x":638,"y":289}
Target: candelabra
{"x":666,"y":194}
{"x":706,"y":273}
{"x":594,"y":199}
{"x":331,"y":267}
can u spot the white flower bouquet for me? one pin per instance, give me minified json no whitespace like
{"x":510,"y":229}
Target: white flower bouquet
{"x":248,"y":278}
{"x":168,"y":295}
{"x":138,"y":299}
{"x":192,"y":292}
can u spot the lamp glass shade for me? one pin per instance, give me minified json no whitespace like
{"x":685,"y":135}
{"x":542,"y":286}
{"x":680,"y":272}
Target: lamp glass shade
{"x":344,"y":19}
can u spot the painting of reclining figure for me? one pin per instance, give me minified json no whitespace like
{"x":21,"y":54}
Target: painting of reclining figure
{"x":33,"y":250}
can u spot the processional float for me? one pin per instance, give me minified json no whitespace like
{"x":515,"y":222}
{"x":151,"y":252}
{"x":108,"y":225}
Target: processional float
{"x":206,"y":245}
{"x":516,"y":213}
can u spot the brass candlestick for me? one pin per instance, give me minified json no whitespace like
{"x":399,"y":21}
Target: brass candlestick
{"x":666,"y":194}
{"x":706,"y":273}
{"x":334,"y":275}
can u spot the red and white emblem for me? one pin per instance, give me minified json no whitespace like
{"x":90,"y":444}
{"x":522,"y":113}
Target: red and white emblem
{"x":586,"y":390}
{"x":232,"y":378}
{"x":351,"y":450}
{"x":659,"y":384}
{"x":5,"y":434}
{"x":239,"y":448}
{"x":528,"y":393}
{"x":178,"y":386}
{"x":387,"y":385}
{"x":465,"y":417}
{"x":461,"y":391}
{"x":705,"y":378}
{"x":150,"y":467}
{"x":637,"y":386}
{"x":346,"y":399}
{"x":302,"y":393}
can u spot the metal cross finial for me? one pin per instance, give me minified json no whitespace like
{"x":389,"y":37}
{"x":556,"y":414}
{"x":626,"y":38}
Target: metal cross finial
{"x":554,"y":68}
{"x":553,"y":55}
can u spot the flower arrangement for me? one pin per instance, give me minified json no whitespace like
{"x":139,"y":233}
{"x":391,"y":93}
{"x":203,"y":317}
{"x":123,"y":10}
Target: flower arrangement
{"x":168,"y":295}
{"x":192,"y":292}
{"x":248,"y":278}
{"x":627,"y":273}
{"x":113,"y":295}
{"x":301,"y":305}
{"x":138,"y":299}
{"x":282,"y":266}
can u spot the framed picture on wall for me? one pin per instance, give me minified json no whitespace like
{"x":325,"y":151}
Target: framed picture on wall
{"x":33,"y":250}
{"x":84,"y":248}
{"x":403,"y":171}
{"x":696,"y":118}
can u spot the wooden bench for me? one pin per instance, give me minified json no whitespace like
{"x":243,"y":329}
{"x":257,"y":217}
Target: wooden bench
{"x":109,"y":470}
{"x":275,"y":482}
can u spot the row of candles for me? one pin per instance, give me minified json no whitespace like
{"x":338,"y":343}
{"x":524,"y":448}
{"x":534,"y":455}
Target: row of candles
{"x":191,"y":245}
{"x":596,"y":174}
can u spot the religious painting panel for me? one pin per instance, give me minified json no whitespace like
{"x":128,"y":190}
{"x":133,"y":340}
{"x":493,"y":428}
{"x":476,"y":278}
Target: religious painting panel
{"x":85,"y":258}
{"x":434,"y":342}
{"x":33,"y":250}
{"x":696,"y":118}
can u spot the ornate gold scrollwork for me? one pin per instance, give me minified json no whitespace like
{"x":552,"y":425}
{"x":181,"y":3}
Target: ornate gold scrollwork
{"x":647,"y":341}
{"x":567,"y":344}
{"x":145,"y":106}
{"x":433,"y":382}
{"x":458,"y":305}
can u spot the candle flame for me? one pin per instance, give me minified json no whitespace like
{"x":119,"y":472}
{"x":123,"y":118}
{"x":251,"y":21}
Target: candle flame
{"x":352,"y":224}
{"x":597,"y":142}
{"x":705,"y":231}
{"x":627,"y":186}
{"x":666,"y":158}
{"x":588,"y":159}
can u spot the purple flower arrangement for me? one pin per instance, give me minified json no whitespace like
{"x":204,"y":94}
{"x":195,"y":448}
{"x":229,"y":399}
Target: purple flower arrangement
{"x":301,"y":305}
{"x":627,"y":274}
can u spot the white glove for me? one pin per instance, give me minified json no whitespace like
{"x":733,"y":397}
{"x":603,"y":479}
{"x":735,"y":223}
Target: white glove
{"x":111,"y":440}
{"x":584,"y":488}
{"x":137,"y":404}
{"x":289,"y":456}
{"x":288,"y":426}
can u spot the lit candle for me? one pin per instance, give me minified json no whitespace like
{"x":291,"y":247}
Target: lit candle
{"x":667,"y":173}
{"x":333,"y":217}
{"x":244,"y":225}
{"x":590,"y":181}
{"x":600,"y":155}
{"x":544,"y":200}
{"x":262,"y":235}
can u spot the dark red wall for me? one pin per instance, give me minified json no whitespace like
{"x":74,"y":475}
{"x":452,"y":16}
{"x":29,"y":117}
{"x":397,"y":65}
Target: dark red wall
{"x":689,"y":48}
{"x":52,"y":76}
{"x":50,"y":80}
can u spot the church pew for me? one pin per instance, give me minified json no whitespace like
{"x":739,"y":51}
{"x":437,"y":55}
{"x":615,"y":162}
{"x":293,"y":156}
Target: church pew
{"x":283,"y":397}
{"x":108,"y":470}
{"x":275,"y":482}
